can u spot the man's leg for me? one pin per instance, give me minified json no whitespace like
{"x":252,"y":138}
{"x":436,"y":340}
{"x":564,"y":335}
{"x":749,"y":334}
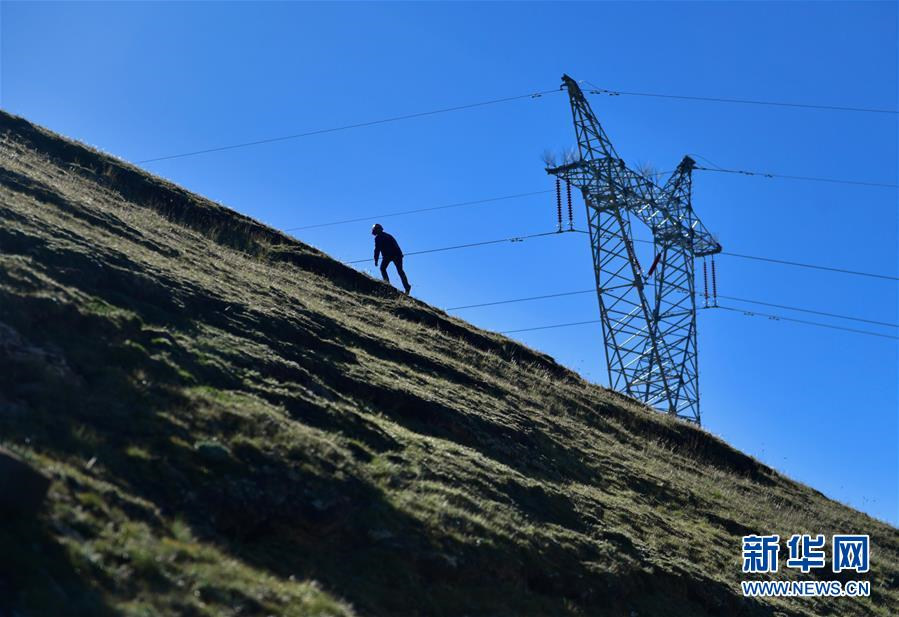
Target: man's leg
{"x":384,"y":263}
{"x":399,"y":268}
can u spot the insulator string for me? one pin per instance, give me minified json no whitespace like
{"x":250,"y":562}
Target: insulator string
{"x":705,"y":283}
{"x":714,"y":284}
{"x":559,"y":201}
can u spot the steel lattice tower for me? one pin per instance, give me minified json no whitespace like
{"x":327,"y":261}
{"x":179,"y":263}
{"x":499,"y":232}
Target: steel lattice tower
{"x":648,"y":322}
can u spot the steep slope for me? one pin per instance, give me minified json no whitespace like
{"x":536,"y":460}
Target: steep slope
{"x":236,"y":424}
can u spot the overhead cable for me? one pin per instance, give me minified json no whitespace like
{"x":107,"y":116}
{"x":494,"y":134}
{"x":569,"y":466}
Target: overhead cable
{"x":417,"y":210}
{"x":788,"y":263}
{"x":471,"y":244}
{"x":726,"y":308}
{"x":346,"y":127}
{"x":759,"y":302}
{"x":606,"y":91}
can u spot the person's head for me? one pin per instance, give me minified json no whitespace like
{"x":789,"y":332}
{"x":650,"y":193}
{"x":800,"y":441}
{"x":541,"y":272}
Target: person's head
{"x":376,"y":229}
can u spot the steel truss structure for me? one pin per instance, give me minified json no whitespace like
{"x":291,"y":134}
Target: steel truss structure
{"x":648,"y":319}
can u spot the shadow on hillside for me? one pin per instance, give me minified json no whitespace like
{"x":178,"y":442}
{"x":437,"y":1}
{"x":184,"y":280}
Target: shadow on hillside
{"x":38,"y":577}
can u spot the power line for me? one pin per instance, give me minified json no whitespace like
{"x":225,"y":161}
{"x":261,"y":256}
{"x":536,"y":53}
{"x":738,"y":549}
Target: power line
{"x":428,"y":209}
{"x":472,"y":244}
{"x":346,"y":127}
{"x":558,"y":295}
{"x":727,"y":308}
{"x":598,"y":90}
{"x":813,"y":266}
{"x":764,"y":174}
{"x":788,"y":263}
{"x":759,"y":302}
{"x":803,"y":321}
{"x":716,"y":167}
{"x":814,"y":312}
{"x":558,"y":325}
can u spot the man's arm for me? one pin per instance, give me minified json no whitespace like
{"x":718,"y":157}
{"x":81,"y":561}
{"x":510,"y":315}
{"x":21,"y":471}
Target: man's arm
{"x":377,"y":252}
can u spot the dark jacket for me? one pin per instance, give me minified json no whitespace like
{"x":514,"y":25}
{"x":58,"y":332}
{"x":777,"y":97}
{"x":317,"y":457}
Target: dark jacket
{"x":386,"y":245}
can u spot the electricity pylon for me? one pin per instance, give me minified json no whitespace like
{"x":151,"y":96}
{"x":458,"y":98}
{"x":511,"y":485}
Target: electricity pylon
{"x":648,"y":319}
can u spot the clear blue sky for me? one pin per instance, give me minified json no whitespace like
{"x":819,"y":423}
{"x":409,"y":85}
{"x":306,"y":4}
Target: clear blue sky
{"x":142,"y":80}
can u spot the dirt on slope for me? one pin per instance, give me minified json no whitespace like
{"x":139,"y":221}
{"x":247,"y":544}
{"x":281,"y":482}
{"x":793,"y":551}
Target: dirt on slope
{"x":237,"y":424}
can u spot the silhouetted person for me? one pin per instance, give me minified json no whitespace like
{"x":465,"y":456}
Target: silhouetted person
{"x":387,"y":247}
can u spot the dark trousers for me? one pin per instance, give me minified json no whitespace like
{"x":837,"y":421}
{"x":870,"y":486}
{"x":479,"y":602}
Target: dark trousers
{"x":398,"y":262}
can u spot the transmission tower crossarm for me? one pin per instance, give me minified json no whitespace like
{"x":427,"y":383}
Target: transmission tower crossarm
{"x":662,"y":209}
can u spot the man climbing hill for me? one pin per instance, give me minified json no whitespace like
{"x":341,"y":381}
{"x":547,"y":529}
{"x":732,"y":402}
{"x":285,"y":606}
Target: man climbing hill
{"x":387,"y":246}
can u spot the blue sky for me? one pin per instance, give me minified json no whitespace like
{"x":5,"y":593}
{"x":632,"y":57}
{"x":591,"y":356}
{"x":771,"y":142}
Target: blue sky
{"x":142,"y":80}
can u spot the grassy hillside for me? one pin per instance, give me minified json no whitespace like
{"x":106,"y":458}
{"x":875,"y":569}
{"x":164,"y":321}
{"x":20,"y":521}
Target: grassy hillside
{"x":236,"y":424}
